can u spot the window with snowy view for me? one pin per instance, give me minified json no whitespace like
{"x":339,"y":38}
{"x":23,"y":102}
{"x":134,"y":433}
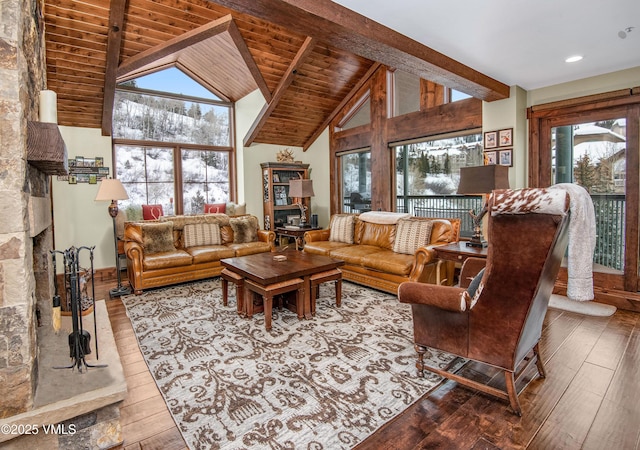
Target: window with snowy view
{"x":428,"y":174}
{"x":172,"y":144}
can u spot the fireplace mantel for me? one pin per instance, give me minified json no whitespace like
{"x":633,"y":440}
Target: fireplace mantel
{"x":46,"y":149}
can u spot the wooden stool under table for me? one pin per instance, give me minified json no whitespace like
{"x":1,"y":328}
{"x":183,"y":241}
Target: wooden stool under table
{"x":317,"y":279}
{"x":238,"y":280}
{"x":271,"y":290}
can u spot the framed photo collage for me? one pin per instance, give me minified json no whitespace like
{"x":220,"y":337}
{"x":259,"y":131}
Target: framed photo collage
{"x":498,"y":147}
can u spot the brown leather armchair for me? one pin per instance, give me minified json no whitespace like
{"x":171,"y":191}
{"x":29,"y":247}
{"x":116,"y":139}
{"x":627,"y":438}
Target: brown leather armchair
{"x":501,"y":323}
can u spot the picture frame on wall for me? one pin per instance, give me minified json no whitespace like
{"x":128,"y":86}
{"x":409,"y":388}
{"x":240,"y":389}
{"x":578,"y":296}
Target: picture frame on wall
{"x":506,"y":157}
{"x":490,"y":139}
{"x":490,"y":158}
{"x":505,"y":137}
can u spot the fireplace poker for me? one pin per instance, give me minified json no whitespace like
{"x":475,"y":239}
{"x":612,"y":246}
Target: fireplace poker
{"x":93,"y":299}
{"x":56,"y":315}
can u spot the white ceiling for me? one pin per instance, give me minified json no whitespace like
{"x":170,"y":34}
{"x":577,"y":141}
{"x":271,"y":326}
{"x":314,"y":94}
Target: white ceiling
{"x":519,"y":42}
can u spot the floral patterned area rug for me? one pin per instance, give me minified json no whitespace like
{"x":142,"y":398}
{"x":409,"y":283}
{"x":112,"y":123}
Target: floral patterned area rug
{"x":325,"y":383}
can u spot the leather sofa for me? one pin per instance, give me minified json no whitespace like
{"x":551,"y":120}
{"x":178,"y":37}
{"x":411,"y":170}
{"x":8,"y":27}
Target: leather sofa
{"x":175,"y":249}
{"x":373,"y":259}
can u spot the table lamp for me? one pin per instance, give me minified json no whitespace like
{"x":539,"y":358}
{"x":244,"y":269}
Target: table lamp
{"x":301,"y":189}
{"x":481,"y":180}
{"x":112,"y":190}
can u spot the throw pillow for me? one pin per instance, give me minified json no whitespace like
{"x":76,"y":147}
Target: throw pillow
{"x":411,"y":234}
{"x":236,"y":209}
{"x":150,"y":212}
{"x":245,"y":229}
{"x":213,"y":208}
{"x":157,"y":237}
{"x":197,"y":234}
{"x":240,"y":209}
{"x":342,"y":228}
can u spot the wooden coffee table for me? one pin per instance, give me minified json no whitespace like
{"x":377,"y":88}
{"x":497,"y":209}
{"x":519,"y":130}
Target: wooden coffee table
{"x":264,"y":270}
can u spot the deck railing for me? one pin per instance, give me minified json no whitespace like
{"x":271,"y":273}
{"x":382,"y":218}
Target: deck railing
{"x":443,"y":206}
{"x":609,"y":212}
{"x":610,"y":218}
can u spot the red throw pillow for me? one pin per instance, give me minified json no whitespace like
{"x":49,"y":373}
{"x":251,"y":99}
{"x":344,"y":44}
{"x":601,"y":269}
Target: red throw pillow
{"x":212,"y":208}
{"x":151,"y":211}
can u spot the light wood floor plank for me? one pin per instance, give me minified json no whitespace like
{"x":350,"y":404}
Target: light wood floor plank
{"x":613,"y":342}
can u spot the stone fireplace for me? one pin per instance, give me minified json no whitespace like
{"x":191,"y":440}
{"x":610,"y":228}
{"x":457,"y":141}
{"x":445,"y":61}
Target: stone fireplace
{"x":26,"y":278}
{"x":22,"y":72}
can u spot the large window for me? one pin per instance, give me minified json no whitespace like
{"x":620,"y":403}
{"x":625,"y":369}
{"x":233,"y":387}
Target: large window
{"x":428,"y":174}
{"x":172,"y":148}
{"x":205,"y":179}
{"x":149,"y":176}
{"x":149,"y":117}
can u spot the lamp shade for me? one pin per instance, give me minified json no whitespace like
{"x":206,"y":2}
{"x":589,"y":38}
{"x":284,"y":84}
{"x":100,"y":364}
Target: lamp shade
{"x":483,"y":179}
{"x":301,"y":188}
{"x":111,"y":189}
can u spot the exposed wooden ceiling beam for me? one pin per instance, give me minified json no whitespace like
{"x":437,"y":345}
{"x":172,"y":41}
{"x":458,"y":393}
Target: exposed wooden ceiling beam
{"x":116,"y":21}
{"x":249,"y":61}
{"x":350,"y":31}
{"x":285,"y":82}
{"x":338,"y":108}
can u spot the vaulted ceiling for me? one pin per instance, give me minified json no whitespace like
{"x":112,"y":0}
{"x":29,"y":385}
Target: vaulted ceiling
{"x":306,"y":57}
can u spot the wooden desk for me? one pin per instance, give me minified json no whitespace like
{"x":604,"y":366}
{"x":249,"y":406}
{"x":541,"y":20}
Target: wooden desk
{"x":457,"y":252}
{"x":296,"y":233}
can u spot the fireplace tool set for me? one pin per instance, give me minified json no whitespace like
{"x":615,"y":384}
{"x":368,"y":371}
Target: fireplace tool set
{"x":76,"y":289}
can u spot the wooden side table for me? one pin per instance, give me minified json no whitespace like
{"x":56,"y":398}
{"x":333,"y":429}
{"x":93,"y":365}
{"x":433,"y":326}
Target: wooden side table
{"x":457,"y":252}
{"x":293,"y":232}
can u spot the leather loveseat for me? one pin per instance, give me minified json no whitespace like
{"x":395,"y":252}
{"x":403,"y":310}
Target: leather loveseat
{"x":384,"y":249}
{"x":175,"y":249}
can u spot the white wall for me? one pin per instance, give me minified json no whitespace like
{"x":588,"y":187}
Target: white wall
{"x":623,"y":79}
{"x":78,"y":219}
{"x":511,"y":113}
{"x":249,"y":172}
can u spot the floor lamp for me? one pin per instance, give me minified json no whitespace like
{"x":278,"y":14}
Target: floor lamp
{"x":481,"y":180}
{"x":112,"y":190}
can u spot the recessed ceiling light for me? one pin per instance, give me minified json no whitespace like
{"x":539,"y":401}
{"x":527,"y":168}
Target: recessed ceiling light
{"x":571,"y":59}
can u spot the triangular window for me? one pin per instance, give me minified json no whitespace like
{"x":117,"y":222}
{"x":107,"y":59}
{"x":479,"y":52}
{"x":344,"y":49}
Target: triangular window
{"x":172,"y":80}
{"x":360,"y":114}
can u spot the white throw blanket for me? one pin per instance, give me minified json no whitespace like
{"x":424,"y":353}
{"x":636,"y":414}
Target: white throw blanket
{"x":383,"y":217}
{"x":582,"y":242}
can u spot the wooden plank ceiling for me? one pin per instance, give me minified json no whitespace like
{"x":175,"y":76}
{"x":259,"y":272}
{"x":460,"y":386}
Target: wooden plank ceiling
{"x":303,"y":78}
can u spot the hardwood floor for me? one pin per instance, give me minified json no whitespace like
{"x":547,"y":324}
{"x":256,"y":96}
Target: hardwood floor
{"x":588,"y":400}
